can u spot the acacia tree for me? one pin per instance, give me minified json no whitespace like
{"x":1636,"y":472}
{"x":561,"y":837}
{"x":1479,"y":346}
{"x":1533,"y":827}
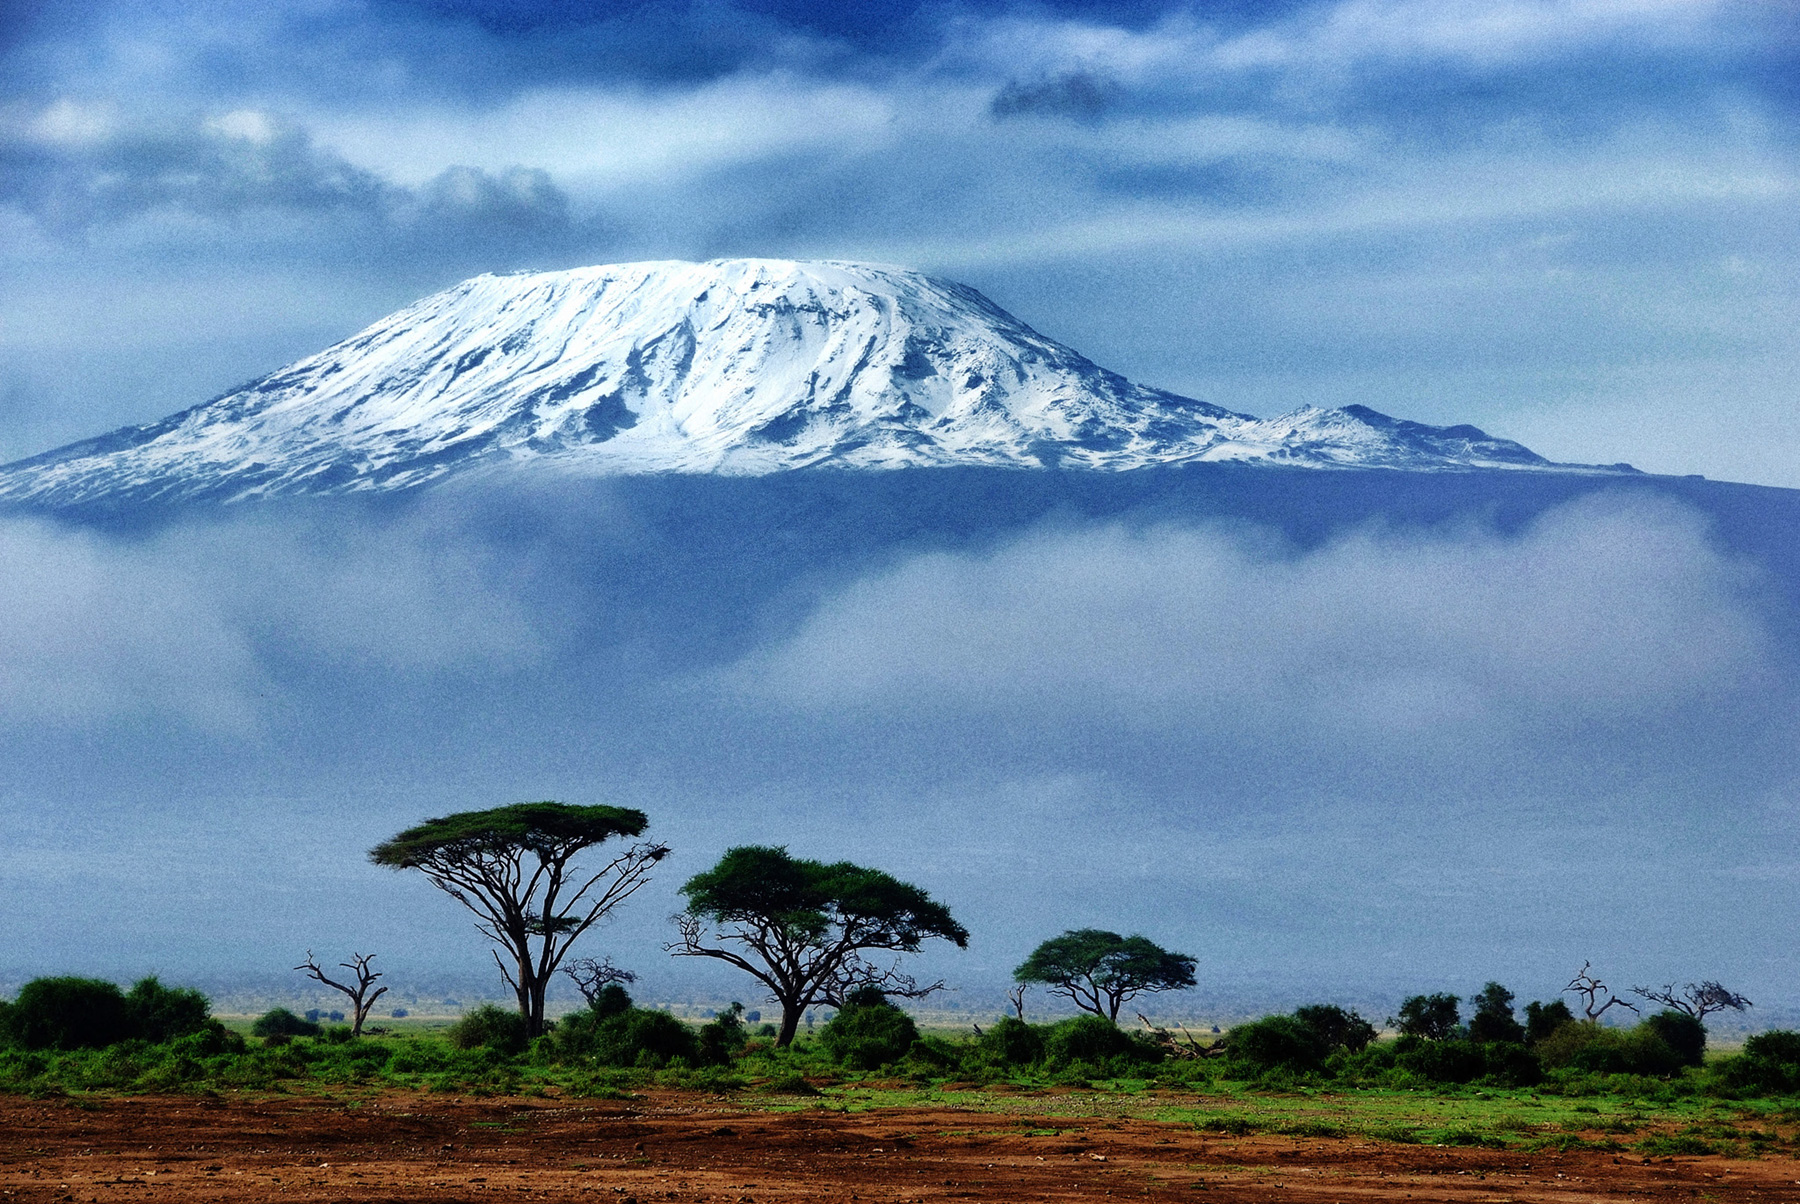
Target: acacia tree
{"x":1697,"y":1000}
{"x":1099,"y":970}
{"x":802,"y":928}
{"x":514,"y":867}
{"x":361,"y":999}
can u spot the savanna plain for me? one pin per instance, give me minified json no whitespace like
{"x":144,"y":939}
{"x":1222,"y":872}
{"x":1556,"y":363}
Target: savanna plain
{"x":1021,"y":1112}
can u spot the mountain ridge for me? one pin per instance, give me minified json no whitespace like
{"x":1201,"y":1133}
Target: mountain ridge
{"x":740,"y":367}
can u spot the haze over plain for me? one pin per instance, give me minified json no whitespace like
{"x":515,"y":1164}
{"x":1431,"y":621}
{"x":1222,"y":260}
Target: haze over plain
{"x":1368,"y":748}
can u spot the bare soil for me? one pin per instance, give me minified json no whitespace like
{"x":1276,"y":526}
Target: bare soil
{"x":671,"y":1146}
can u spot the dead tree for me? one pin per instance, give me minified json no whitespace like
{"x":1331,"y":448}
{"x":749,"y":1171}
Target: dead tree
{"x":1697,"y":1001}
{"x":361,"y":997}
{"x":1016,"y":997}
{"x":1590,"y":989}
{"x":591,"y":977}
{"x":1166,"y":1039}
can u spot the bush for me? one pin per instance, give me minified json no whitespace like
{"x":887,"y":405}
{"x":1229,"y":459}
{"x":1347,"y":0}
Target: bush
{"x":279,"y":1025}
{"x":490,"y":1027}
{"x":1336,"y":1027}
{"x":1429,"y":1017}
{"x":868,"y":1033}
{"x":934,"y":1055}
{"x":1683,"y":1033}
{"x":157,"y":1013}
{"x":1097,"y":1042}
{"x":723,"y":1039}
{"x":1543,"y":1019}
{"x":633,"y":1037}
{"x":1276,"y":1043}
{"x":1510,"y":1064}
{"x":68,"y":1013}
{"x":1441,"y":1061}
{"x":612,"y":999}
{"x":1770,"y":1062}
{"x":1593,"y":1048}
{"x":1012,"y":1043}
{"x":1493,"y":1019}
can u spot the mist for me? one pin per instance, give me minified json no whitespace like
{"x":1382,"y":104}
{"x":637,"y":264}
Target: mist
{"x":1326,"y":736}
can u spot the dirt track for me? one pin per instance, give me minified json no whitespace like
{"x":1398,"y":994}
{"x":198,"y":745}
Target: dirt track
{"x":672,"y":1147}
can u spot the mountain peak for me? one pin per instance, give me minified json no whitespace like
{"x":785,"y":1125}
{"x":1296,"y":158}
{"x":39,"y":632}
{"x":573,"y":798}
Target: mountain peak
{"x":741,"y":366}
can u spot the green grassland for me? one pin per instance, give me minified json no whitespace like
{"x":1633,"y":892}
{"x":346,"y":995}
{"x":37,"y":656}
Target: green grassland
{"x":1689,"y":1113}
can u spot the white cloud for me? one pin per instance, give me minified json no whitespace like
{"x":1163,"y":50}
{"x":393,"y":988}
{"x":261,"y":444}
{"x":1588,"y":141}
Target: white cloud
{"x":92,"y":631}
{"x":182,"y":627}
{"x":1605,"y":615}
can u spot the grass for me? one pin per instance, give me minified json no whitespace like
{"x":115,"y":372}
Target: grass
{"x":1651,"y":1118}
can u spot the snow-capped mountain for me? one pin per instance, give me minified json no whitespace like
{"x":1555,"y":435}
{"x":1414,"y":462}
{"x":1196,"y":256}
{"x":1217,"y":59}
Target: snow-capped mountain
{"x":741,"y":366}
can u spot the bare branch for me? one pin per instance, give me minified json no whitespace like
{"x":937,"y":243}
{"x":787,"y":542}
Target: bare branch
{"x":1697,"y":1000}
{"x":361,"y":999}
{"x":591,"y":977}
{"x":1590,"y":989}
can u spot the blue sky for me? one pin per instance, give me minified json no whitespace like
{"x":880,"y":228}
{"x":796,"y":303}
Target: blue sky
{"x":1569,"y":221}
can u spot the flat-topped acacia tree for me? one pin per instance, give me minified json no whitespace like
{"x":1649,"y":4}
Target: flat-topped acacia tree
{"x":514,"y":867}
{"x":801,"y":927}
{"x":1099,"y":970}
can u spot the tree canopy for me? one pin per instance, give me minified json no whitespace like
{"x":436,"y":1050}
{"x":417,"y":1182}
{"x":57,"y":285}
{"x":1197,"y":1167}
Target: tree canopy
{"x":1099,"y":970}
{"x":514,"y":868}
{"x":801,"y":927}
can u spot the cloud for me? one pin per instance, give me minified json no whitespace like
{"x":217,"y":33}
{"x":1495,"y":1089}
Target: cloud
{"x":87,"y":633}
{"x":201,"y":626}
{"x":75,"y":168}
{"x":1083,"y":95}
{"x":1607,"y":617}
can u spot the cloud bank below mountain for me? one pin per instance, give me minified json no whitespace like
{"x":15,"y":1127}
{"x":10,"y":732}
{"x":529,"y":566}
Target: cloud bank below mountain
{"x":1397,"y":752}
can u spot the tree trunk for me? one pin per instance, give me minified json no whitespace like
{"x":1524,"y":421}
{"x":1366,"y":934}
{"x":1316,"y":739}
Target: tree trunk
{"x":790,"y":1023}
{"x":532,"y":991}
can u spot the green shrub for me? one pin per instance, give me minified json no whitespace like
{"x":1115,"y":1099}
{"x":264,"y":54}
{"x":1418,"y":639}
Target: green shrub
{"x":1336,"y":1027}
{"x":1011,"y":1043}
{"x":1770,"y":1063}
{"x":868,"y":1033}
{"x":1096,"y":1042}
{"x":1441,"y":1061}
{"x":490,"y":1027}
{"x":613,"y":999}
{"x":1275,"y":1043}
{"x":278,"y":1025}
{"x":1429,"y":1017}
{"x":68,"y":1013}
{"x":934,"y":1055}
{"x":1589,"y":1047}
{"x":211,"y":1041}
{"x":634,"y":1037}
{"x":723,"y":1039}
{"x":1493,"y":1019}
{"x":1543,"y":1019}
{"x":1510,"y":1064}
{"x":157,"y":1013}
{"x":1683,"y":1033}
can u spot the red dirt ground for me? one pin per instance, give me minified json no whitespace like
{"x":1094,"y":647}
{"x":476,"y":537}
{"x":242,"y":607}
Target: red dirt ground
{"x":685,"y":1147}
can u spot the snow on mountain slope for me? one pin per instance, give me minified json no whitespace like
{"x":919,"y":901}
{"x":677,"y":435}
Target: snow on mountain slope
{"x":735,"y":366}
